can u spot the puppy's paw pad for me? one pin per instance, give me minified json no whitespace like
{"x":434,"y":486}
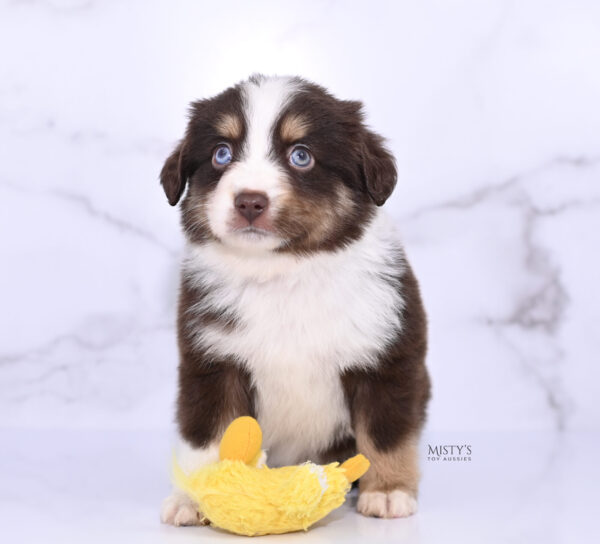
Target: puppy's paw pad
{"x":396,"y":504}
{"x":179,"y":510}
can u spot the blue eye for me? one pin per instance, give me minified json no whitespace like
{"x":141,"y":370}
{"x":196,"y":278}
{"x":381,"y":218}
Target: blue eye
{"x":300,"y":157}
{"x":222,"y":155}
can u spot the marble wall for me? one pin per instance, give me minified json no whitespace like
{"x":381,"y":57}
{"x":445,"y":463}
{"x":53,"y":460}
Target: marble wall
{"x":491,"y":108}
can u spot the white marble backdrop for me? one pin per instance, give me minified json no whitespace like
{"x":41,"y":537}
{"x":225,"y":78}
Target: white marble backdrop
{"x":491,"y":108}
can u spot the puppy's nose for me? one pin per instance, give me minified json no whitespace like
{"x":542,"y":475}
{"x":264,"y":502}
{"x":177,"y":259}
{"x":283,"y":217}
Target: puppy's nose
{"x":251,"y":205}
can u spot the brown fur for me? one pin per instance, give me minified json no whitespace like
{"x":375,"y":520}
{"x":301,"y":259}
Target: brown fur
{"x":327,"y":208}
{"x":388,"y":404}
{"x":397,"y":468}
{"x":311,"y":223}
{"x":229,"y":126}
{"x":353,"y":171}
{"x":293,"y":128}
{"x":339,"y":451}
{"x":212,"y":392}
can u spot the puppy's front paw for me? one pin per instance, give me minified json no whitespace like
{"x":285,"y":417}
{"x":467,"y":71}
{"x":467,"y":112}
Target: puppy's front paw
{"x":395,"y":504}
{"x":178,"y":509}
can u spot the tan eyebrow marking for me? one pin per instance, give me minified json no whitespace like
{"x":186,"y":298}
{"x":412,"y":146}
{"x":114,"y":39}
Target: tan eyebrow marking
{"x":294,"y":127}
{"x":229,"y":126}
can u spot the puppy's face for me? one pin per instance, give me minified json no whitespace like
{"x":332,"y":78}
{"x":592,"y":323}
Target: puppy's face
{"x":278,"y":164}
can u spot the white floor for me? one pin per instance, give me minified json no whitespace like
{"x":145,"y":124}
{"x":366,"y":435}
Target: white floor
{"x":107,"y":486}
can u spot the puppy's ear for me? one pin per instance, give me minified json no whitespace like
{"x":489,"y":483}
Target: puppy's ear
{"x":379,"y":168}
{"x":173,"y":175}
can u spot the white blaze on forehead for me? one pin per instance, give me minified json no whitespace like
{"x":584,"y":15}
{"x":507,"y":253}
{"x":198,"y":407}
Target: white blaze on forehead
{"x":264,"y":102}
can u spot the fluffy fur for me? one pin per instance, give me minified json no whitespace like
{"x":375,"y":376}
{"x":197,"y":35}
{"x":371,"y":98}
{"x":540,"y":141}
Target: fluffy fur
{"x":290,"y":334}
{"x":307,"y":317}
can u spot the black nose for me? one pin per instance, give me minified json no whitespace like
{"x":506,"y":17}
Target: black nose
{"x":251,"y":205}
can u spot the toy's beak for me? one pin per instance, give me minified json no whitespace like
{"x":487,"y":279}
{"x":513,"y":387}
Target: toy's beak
{"x":355,"y":467}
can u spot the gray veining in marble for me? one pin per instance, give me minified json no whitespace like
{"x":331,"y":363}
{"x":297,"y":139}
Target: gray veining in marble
{"x":490,"y":108}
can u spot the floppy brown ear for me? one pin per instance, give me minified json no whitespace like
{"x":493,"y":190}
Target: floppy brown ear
{"x":173,"y":176}
{"x":379,"y":168}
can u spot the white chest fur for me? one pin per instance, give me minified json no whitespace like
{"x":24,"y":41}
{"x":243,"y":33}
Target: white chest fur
{"x":301,"y":322}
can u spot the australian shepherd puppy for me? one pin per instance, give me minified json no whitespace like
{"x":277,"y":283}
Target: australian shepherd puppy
{"x":297,"y":303}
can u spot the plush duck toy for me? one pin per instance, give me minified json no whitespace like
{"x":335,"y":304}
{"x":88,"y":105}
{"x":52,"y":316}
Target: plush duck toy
{"x":238,"y":495}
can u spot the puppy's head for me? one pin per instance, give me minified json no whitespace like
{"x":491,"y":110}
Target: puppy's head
{"x":278,"y":164}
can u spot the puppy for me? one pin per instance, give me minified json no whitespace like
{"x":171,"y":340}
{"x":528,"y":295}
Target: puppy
{"x":297,"y":304}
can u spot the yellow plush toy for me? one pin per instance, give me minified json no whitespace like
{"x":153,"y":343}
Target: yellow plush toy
{"x":237,"y":495}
